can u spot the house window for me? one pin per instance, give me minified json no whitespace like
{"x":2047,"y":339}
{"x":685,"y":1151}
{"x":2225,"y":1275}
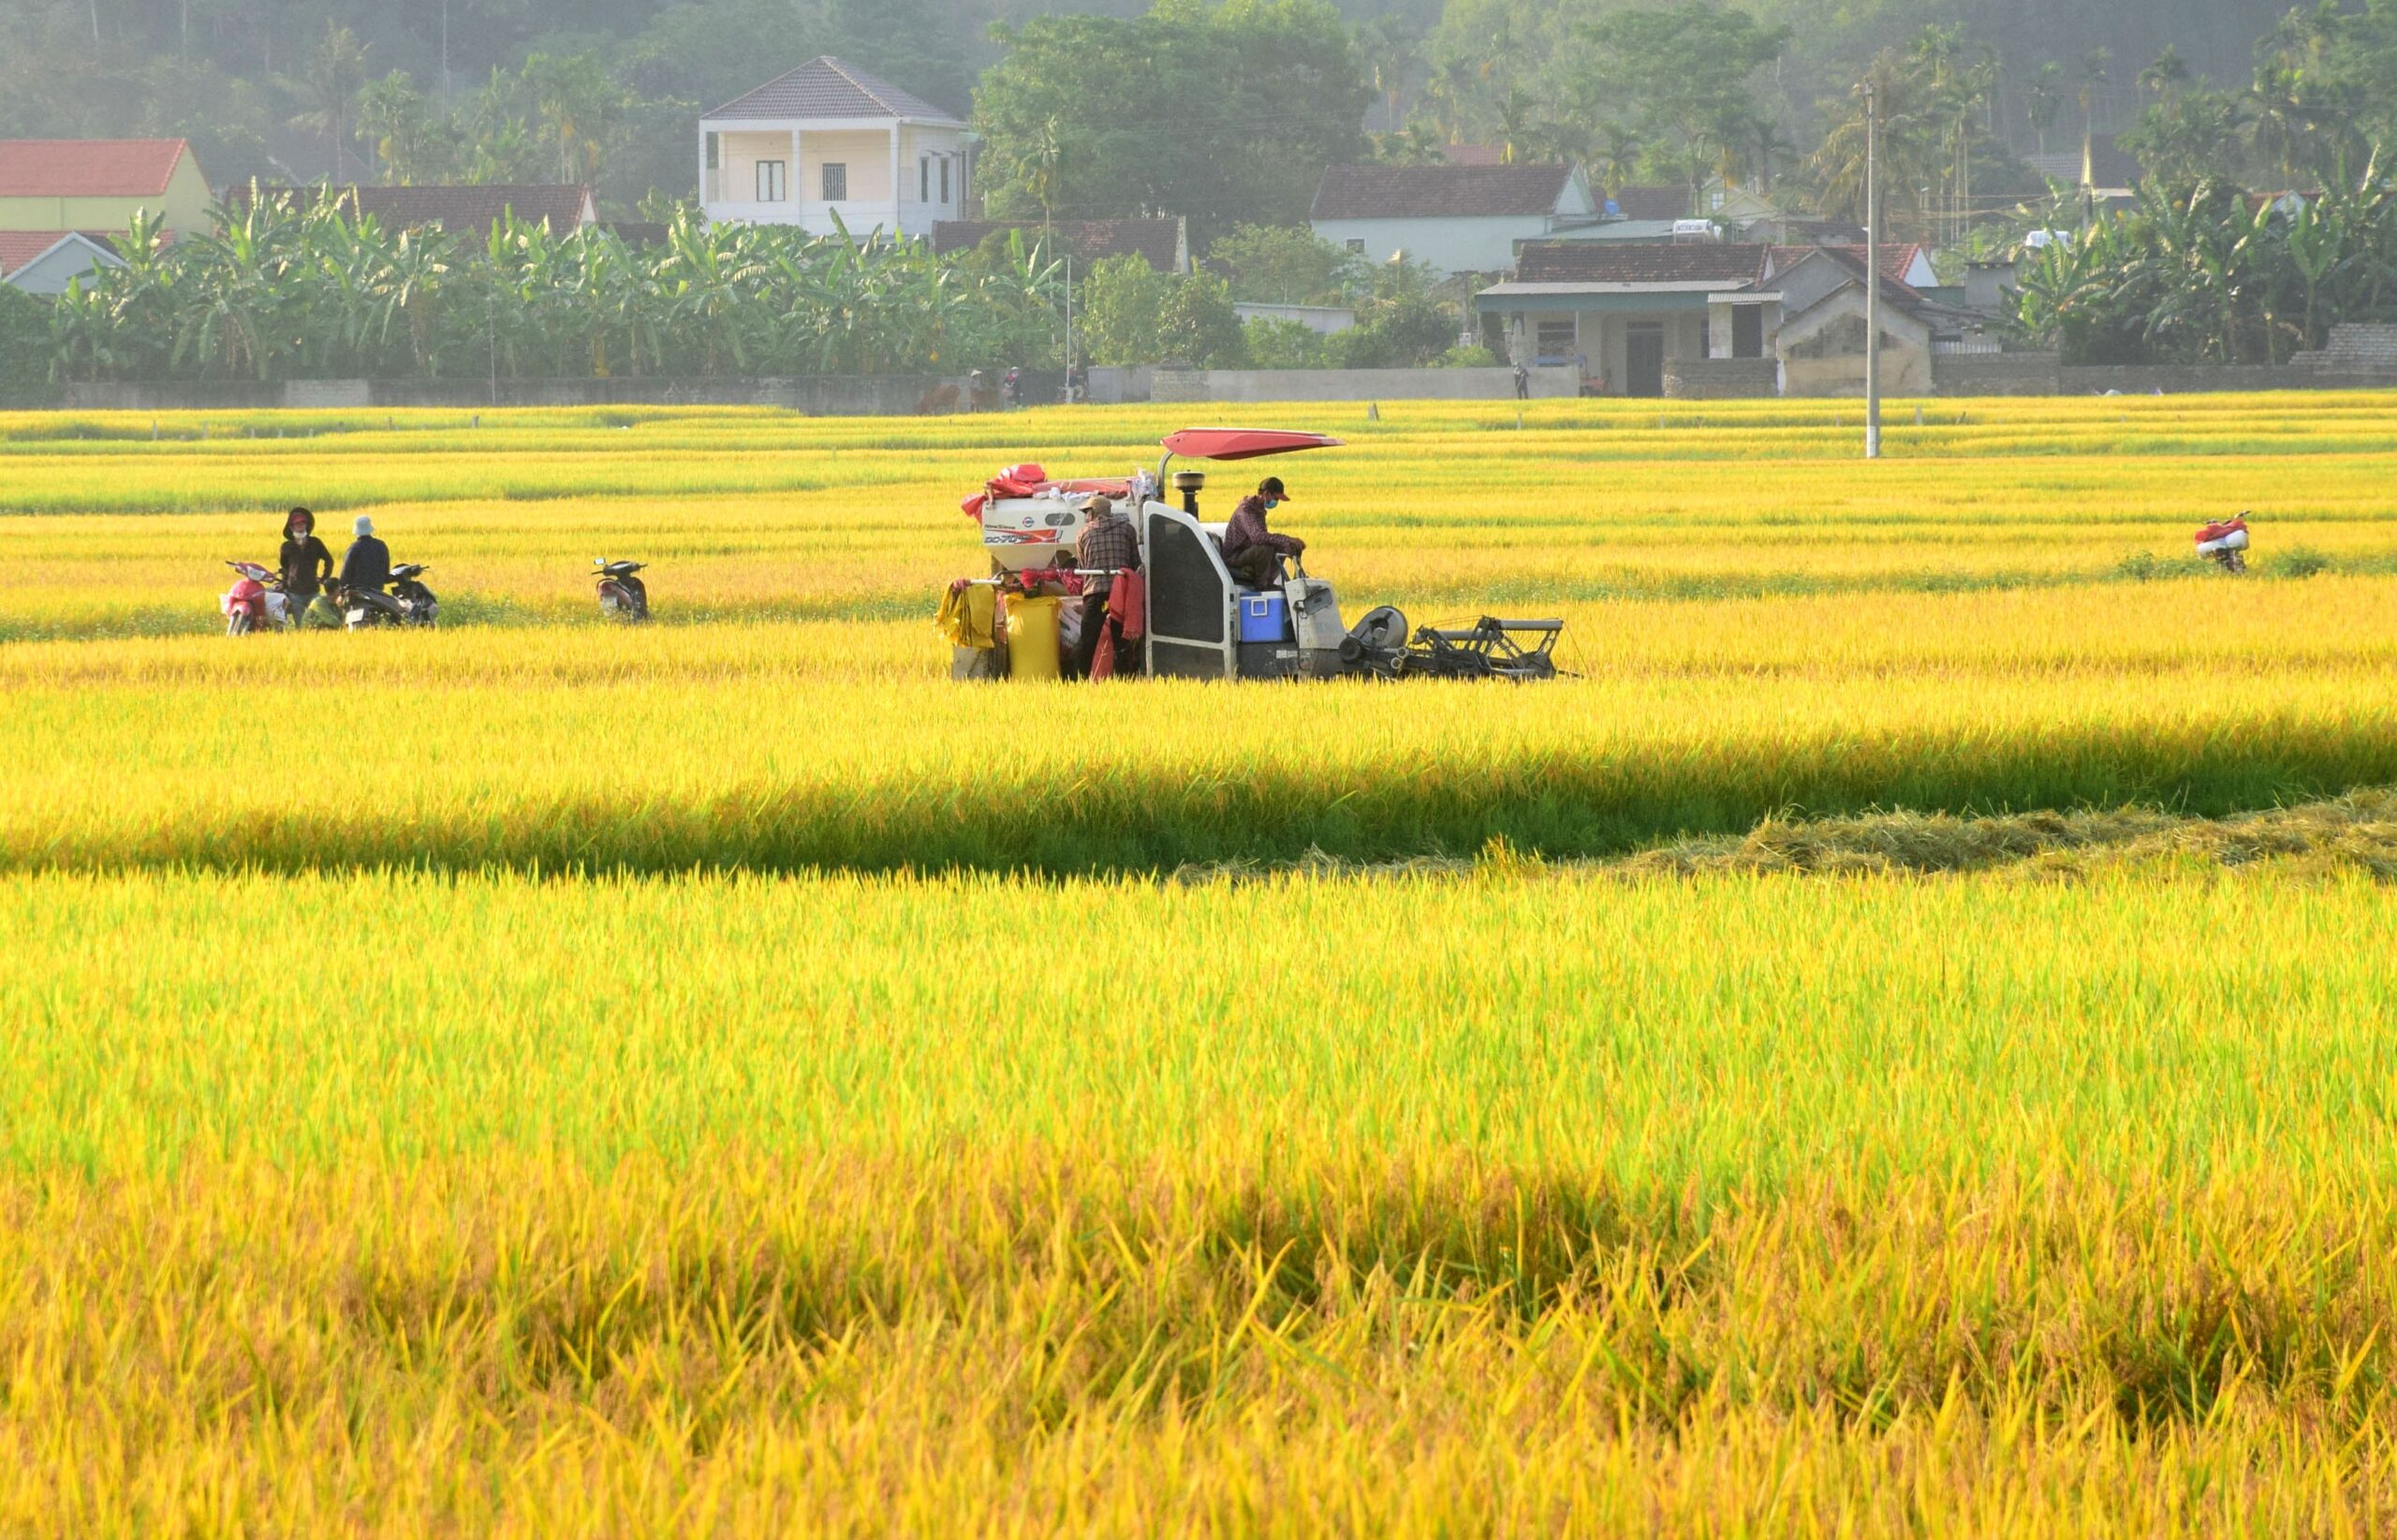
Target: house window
{"x":944,"y":179}
{"x":836,"y":182}
{"x":1554,"y":341}
{"x":770,"y":187}
{"x":715,"y":153}
{"x":1357,"y":244}
{"x":924,"y":179}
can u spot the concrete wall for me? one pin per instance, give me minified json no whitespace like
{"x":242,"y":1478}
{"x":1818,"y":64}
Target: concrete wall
{"x":1721,"y":379}
{"x":2358,"y":347}
{"x":1323,"y":320}
{"x":1996,"y":374}
{"x":1252,"y":385}
{"x":2147,"y":379}
{"x":868,"y":395}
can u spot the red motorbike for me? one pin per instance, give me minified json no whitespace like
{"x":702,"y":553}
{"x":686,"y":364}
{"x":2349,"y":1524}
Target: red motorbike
{"x":622,"y":596}
{"x":255,"y":601}
{"x":2226,"y":542}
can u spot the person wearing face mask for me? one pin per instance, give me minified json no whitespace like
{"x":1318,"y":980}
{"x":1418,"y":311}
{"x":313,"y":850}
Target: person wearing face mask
{"x":304,"y":561}
{"x":1252,"y":551}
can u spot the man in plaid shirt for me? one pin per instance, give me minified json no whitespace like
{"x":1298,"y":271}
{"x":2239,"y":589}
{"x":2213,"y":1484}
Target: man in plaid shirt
{"x":1108,"y":546}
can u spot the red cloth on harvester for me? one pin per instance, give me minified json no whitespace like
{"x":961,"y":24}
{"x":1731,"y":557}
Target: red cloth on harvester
{"x":1127,"y":620}
{"x":1066,"y":578}
{"x":1128,"y":602}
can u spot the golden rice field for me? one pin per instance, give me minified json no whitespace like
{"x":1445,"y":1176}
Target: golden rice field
{"x":1903,"y":1044}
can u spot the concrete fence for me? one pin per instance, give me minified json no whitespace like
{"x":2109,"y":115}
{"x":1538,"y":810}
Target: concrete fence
{"x":1722,"y":379}
{"x":2353,"y":356}
{"x":860,"y":395}
{"x":1250,"y":384}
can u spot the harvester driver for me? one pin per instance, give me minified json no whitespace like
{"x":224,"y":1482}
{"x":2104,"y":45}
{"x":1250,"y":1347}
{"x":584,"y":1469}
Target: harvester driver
{"x":1252,"y":551}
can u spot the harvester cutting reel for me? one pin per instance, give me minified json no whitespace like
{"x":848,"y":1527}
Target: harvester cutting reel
{"x":1490,"y":648}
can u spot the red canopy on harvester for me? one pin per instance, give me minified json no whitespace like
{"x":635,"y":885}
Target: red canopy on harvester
{"x":1190,"y":443}
{"x":1242,"y":443}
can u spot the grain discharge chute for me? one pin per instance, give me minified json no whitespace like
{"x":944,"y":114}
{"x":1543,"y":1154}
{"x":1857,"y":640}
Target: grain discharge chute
{"x":1194,"y":617}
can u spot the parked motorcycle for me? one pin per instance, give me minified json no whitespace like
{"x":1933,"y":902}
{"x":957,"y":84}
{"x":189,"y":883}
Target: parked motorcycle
{"x":2226,"y":542}
{"x":408,"y":601}
{"x":622,"y":596}
{"x":256,"y":602}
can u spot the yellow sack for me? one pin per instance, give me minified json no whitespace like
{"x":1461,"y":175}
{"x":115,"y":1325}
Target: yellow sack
{"x":968,"y":616}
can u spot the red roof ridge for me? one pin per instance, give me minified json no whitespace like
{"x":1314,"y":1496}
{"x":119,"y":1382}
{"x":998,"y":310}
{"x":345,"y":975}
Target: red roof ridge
{"x":128,"y":167}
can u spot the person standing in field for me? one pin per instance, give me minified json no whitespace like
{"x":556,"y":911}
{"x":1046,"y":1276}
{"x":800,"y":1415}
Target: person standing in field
{"x":304,"y":561}
{"x":367,"y":562}
{"x":1108,"y":546}
{"x":1252,"y":552}
{"x":1522,"y":382}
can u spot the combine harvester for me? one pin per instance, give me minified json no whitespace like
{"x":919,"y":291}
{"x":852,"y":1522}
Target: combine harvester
{"x":1199,"y":623}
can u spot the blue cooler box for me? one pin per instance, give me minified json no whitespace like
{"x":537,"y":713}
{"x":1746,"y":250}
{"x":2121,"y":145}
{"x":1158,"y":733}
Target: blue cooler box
{"x":1263,"y":617}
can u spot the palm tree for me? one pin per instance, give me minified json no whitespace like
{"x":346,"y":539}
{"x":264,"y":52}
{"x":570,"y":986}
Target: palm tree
{"x":2043,"y":101}
{"x":2167,"y":74}
{"x":575,"y":98}
{"x":1385,"y":46}
{"x":2093,"y":74}
{"x":328,"y":87}
{"x":391,"y":121}
{"x":1911,"y":150}
{"x":1616,"y":158}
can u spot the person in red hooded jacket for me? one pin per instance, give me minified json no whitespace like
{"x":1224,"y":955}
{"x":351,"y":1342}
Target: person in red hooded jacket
{"x":305,"y":562}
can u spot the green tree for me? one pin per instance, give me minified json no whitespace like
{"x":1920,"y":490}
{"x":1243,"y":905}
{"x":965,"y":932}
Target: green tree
{"x":1689,"y":72}
{"x":1287,"y":344}
{"x":1198,"y":325}
{"x":1121,"y":299}
{"x":1402,"y":333}
{"x":409,"y":141}
{"x":24,"y":348}
{"x":2187,"y":137}
{"x":576,"y":101}
{"x":1285,"y":265}
{"x":2043,"y":101}
{"x":1225,"y":114}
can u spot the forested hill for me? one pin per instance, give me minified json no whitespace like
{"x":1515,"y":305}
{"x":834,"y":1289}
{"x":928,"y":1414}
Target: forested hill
{"x":254,"y":85}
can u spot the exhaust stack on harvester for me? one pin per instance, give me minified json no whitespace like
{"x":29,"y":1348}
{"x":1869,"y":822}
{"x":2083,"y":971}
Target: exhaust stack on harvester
{"x":1196,"y":619}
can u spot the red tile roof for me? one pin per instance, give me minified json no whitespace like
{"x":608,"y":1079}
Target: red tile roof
{"x":1894,"y":288}
{"x":88,"y":167}
{"x":1438,"y":192}
{"x":1895,"y":260}
{"x":1729,"y":263}
{"x":20,"y":247}
{"x":1090,"y":238}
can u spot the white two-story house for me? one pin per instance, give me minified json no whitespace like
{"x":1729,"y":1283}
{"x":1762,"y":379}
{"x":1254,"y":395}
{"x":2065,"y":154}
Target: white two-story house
{"x":828,"y":139}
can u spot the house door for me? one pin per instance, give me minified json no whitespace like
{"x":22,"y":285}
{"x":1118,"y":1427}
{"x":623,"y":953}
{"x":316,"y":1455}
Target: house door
{"x":1643,"y":364}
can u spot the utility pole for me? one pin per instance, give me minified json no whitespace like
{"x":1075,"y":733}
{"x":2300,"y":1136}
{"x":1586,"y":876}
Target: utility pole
{"x":1070,"y":327}
{"x":446,"y":103}
{"x":1871,"y":276}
